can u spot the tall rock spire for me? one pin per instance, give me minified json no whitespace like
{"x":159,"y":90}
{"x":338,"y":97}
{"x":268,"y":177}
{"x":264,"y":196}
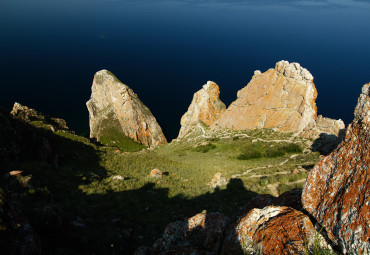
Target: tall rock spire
{"x":114,"y":107}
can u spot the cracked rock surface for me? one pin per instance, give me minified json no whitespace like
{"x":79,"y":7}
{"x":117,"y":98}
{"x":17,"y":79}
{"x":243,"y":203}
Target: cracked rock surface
{"x":337,"y":190}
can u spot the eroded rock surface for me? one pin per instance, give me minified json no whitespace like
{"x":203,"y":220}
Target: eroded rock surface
{"x":337,"y":190}
{"x":282,"y":98}
{"x":205,"y":108}
{"x":200,"y":234}
{"x":114,"y":107}
{"x":272,"y":230}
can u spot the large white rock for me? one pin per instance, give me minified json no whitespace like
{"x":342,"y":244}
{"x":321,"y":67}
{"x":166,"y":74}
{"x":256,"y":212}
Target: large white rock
{"x":114,"y":107}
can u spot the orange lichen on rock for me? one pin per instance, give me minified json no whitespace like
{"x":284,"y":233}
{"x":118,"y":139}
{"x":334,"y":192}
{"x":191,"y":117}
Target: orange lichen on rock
{"x":271,"y":230}
{"x":337,"y":190}
{"x":205,"y":109}
{"x":282,"y":98}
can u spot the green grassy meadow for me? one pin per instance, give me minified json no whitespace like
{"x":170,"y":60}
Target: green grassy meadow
{"x":105,"y":214}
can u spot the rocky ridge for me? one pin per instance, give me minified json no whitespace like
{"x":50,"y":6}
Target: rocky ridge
{"x":205,"y":109}
{"x":337,"y":192}
{"x":114,"y":107}
{"x":282,"y":98}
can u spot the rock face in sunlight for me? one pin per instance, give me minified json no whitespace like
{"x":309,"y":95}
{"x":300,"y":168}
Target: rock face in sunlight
{"x":282,"y":98}
{"x":200,"y":234}
{"x":115,"y":108}
{"x":337,"y":191}
{"x":272,"y":230}
{"x":205,"y":108}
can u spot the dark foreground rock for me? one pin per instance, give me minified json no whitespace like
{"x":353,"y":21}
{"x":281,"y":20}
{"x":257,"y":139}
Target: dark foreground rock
{"x":200,"y":234}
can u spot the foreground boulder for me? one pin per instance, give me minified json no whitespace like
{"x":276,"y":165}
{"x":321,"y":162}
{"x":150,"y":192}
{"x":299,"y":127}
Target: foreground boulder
{"x":337,"y":190}
{"x":272,"y":230}
{"x":205,"y":108}
{"x":282,"y":98}
{"x":200,"y":234}
{"x":115,"y":108}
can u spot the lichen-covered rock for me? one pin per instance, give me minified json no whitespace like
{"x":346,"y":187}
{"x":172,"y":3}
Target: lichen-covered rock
{"x":218,"y":180}
{"x":291,"y":198}
{"x":200,"y":234}
{"x":156,"y":173}
{"x":272,"y":230}
{"x":282,"y":98}
{"x":205,"y":108}
{"x":115,"y":108}
{"x":337,"y":190}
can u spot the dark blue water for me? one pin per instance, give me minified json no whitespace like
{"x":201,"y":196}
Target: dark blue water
{"x":166,"y":50}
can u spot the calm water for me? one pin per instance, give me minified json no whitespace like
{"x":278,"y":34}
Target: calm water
{"x":166,"y":50}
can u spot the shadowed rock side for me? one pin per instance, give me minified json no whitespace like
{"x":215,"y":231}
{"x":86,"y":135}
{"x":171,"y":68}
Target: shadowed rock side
{"x":27,"y":114}
{"x":327,"y":133}
{"x":200,"y":234}
{"x":205,"y":108}
{"x":337,"y":190}
{"x":282,"y":98}
{"x":114,"y":107}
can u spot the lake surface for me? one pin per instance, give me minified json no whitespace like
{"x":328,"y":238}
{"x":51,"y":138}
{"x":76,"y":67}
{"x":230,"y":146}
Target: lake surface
{"x":166,"y":50}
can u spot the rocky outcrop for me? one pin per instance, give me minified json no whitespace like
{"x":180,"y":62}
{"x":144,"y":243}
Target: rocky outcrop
{"x":282,"y":98}
{"x":337,"y":190}
{"x":200,"y":234}
{"x":21,"y":138}
{"x":205,"y":108}
{"x":272,"y":230}
{"x":32,"y":116}
{"x":115,"y":108}
{"x":327,"y":134}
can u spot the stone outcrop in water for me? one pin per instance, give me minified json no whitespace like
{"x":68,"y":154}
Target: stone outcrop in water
{"x":282,"y":98}
{"x":115,"y":108}
{"x":337,"y":190}
{"x":205,"y":108}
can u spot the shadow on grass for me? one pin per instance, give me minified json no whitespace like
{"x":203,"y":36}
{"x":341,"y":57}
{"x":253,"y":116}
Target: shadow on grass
{"x":69,"y":221}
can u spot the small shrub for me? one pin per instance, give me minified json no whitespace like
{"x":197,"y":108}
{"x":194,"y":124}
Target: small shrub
{"x":271,"y":179}
{"x":235,"y":138}
{"x":292,"y":148}
{"x":264,"y":181}
{"x":283,"y":188}
{"x":250,"y":154}
{"x":205,"y":148}
{"x":274,"y":152}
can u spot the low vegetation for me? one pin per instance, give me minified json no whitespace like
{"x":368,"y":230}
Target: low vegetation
{"x":110,"y":204}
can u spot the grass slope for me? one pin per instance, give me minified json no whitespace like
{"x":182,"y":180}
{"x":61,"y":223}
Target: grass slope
{"x":116,"y":216}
